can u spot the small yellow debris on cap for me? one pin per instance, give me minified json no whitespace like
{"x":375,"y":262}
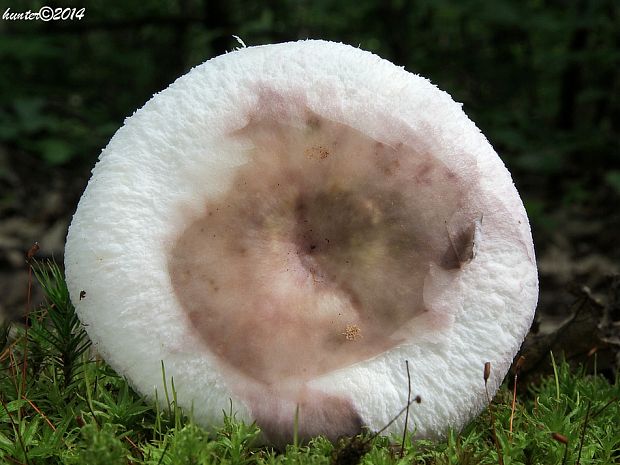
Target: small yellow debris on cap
{"x":352,"y":332}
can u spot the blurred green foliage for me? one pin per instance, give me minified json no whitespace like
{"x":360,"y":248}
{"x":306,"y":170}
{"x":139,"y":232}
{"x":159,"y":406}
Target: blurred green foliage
{"x":541,"y":78}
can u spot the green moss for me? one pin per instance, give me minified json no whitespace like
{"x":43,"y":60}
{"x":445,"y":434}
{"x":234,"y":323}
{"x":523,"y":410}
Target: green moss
{"x":69,"y":409}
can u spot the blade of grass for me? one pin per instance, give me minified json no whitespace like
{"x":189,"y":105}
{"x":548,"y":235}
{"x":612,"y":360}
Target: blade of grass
{"x":164,"y":379}
{"x":555,"y":376}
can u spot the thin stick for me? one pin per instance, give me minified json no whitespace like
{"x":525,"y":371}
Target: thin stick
{"x":161,"y":457}
{"x":486,"y":375}
{"x":402,"y":447}
{"x":583,"y":431}
{"x":25,"y":363}
{"x":562,"y":440}
{"x":565,"y":454}
{"x":133,"y":444}
{"x":6,"y":352}
{"x":13,"y":366}
{"x":40,"y":413}
{"x":17,"y":433}
{"x":416,"y":399}
{"x":514,"y":393}
{"x":29,"y":256}
{"x":604,"y":407}
{"x":14,"y":460}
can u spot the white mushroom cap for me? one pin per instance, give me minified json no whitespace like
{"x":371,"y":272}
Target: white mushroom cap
{"x":285,"y":226}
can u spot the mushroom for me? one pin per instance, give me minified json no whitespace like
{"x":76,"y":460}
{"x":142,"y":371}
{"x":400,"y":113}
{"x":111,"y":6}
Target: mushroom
{"x":285,"y":226}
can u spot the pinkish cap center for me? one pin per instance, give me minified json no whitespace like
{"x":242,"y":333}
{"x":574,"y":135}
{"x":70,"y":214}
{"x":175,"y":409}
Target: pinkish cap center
{"x":319,"y":252}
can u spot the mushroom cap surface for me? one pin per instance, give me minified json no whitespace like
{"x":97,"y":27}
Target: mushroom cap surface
{"x":285,"y":226}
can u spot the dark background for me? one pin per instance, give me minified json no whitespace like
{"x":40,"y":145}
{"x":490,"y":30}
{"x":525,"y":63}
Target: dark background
{"x":541,"y":79}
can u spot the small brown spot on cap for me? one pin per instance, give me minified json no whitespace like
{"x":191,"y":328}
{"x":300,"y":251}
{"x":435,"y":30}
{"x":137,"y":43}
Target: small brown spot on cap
{"x":461,"y":244}
{"x":313,"y":122}
{"x":487,"y":371}
{"x":316,"y":152}
{"x":423,"y":174}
